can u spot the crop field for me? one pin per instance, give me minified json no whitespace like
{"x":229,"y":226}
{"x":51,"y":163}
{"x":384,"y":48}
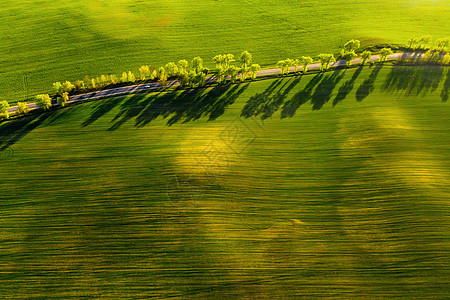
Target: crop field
{"x":326,"y":185}
{"x":45,"y":41}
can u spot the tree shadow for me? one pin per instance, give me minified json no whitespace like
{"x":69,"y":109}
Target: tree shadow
{"x":291,"y":106}
{"x":414,"y":80}
{"x":102,"y":108}
{"x":444,"y":92}
{"x":11,"y":132}
{"x":347,"y":87}
{"x":266,"y":104}
{"x":324,"y":89}
{"x":178,"y":106}
{"x":368,"y":85}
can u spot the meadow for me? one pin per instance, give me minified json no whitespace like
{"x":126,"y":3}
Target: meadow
{"x":42,"y":42}
{"x":324,"y":185}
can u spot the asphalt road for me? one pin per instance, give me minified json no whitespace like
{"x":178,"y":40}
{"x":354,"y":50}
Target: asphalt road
{"x":153,"y":86}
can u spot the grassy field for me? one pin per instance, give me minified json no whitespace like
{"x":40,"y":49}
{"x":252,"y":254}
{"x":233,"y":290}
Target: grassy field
{"x":46,"y":41}
{"x":330,"y":185}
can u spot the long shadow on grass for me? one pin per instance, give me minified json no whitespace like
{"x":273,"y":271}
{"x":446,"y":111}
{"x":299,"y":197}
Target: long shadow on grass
{"x":178,"y":106}
{"x":322,"y":93}
{"x":347,"y":87}
{"x":269,"y":101}
{"x":368,"y":85}
{"x":414,"y":80}
{"x":291,"y":106}
{"x":444,"y":92}
{"x":102,"y":108}
{"x":12,"y":132}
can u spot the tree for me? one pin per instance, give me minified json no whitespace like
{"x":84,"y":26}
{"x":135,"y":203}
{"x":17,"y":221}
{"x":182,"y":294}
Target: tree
{"x":183,"y":79}
{"x":232,"y":71}
{"x":442,"y":44}
{"x":349,"y":56}
{"x":80,"y":86}
{"x":246,"y":59}
{"x":228,"y":59}
{"x":43,"y":101}
{"x":22,"y":108}
{"x":183,"y":66}
{"x":384,"y":53}
{"x":424,"y":41}
{"x":192,"y":78}
{"x":57,"y":88}
{"x":254,"y":69}
{"x":131,"y":77}
{"x":67,"y":87}
{"x":200,"y":79}
{"x":352,"y":45}
{"x":154,"y":75}
{"x":144,"y":72}
{"x":63,"y":99}
{"x":305,"y":61}
{"x":197,"y":64}
{"x":219,"y":60}
{"x":162,"y":76}
{"x":413,"y":43}
{"x":113,"y":79}
{"x":124,"y":77}
{"x":171,"y":69}
{"x":326,"y":60}
{"x":282,"y":65}
{"x":4,"y":105}
{"x":289,"y":63}
{"x":296,"y":64}
{"x":366,"y":55}
{"x":93,"y":84}
{"x":445,"y":60}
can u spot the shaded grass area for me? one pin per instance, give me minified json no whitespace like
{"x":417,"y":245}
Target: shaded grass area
{"x":236,"y":191}
{"x":42,"y":42}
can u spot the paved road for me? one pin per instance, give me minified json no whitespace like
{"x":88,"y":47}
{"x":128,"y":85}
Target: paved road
{"x":155,"y":85}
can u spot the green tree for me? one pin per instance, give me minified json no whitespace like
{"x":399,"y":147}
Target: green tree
{"x":254,"y":69}
{"x":63,"y":99}
{"x":144,"y":72}
{"x":124,"y":77}
{"x":200,"y":79}
{"x":442,"y":44}
{"x":246,"y":59}
{"x":232,"y":71}
{"x":154,"y":75}
{"x":192,"y":78}
{"x":183,"y":79}
{"x":289,"y":64}
{"x":4,"y":105}
{"x":282,"y":65}
{"x":445,"y":60}
{"x":296,"y":64}
{"x":352,"y":45}
{"x":384,"y":53}
{"x":349,"y":56}
{"x":43,"y":101}
{"x":67,"y":87}
{"x":162,"y":76}
{"x":219,"y":61}
{"x":131,"y":77}
{"x":305,"y":61}
{"x":93,"y":84}
{"x":80,"y":86}
{"x":197,"y":64}
{"x":171,"y":69}
{"x":183,"y":66}
{"x":366,"y":55}
{"x":113,"y":79}
{"x":326,"y":60}
{"x":424,"y":41}
{"x":57,"y":88}
{"x":413,"y":43}
{"x":228,"y":59}
{"x":22,"y":108}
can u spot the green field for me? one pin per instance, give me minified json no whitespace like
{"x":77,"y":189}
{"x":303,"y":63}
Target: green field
{"x":327,"y":185}
{"x":45,"y":41}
